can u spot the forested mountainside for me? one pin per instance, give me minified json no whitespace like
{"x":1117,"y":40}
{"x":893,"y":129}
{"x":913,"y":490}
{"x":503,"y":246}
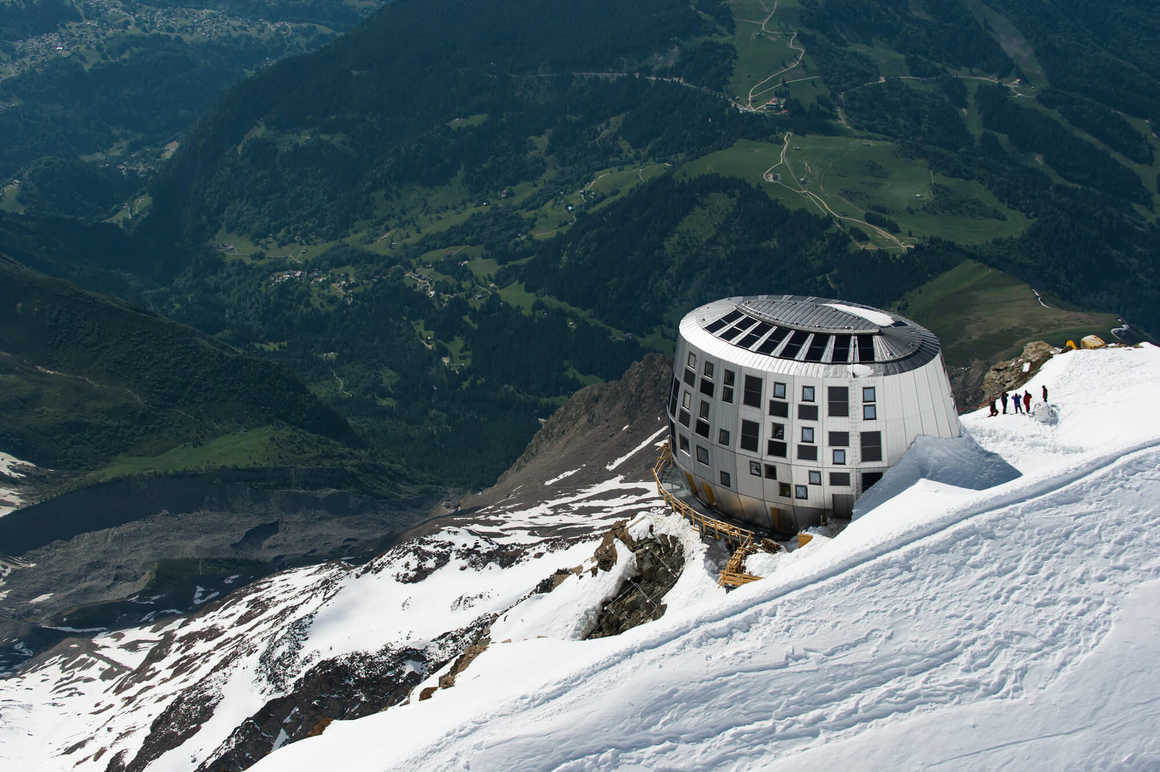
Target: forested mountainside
{"x":444,"y":229}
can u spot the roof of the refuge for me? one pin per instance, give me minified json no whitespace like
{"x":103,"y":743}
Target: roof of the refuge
{"x":809,"y":329}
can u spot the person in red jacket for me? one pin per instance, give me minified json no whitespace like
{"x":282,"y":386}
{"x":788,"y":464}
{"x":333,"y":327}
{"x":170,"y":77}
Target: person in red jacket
{"x":1026,"y":401}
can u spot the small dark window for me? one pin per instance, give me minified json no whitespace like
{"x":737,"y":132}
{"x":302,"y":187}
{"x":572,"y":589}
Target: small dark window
{"x":839,"y":401}
{"x":723,"y":437}
{"x":840,"y":456}
{"x":752,"y":391}
{"x":706,"y":387}
{"x":841,"y":353}
{"x":702,"y":428}
{"x":807,"y":393}
{"x":807,"y":434}
{"x":807,"y":412}
{"x":690,"y":377}
{"x":815,"y":477}
{"x":840,"y":439}
{"x":727,"y":394}
{"x":725,"y":481}
{"x":779,"y":390}
{"x":871,"y":446}
{"x":729,"y":376}
{"x":869,"y":412}
{"x":869,"y":478}
{"x":702,"y":454}
{"x":840,"y":478}
{"x":755,"y":468}
{"x":801,"y":492}
{"x":817,"y":347}
{"x":703,"y":412}
{"x":684,"y":418}
{"x":684,"y":442}
{"x":783,"y":490}
{"x":807,"y":452}
{"x":770,"y":472}
{"x":869,"y":394}
{"x":674,"y":394}
{"x":692,"y":361}
{"x":775,"y":448}
{"x":749,"y":432}
{"x":708,"y":369}
{"x":865,"y":348}
{"x":779,"y":409}
{"x":686,"y":400}
{"x":777,"y":431}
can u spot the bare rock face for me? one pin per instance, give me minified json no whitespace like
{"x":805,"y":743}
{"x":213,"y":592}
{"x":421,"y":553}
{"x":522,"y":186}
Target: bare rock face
{"x":659,"y":561}
{"x":1010,"y":374}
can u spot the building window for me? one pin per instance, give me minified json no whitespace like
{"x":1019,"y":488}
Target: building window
{"x":840,"y":456}
{"x":839,"y":439}
{"x":674,"y":394}
{"x":706,"y":387}
{"x":752,"y":391}
{"x":779,"y":390}
{"x":779,"y":409}
{"x":702,"y":454}
{"x":783,"y":490}
{"x":869,"y":478}
{"x":807,"y":434}
{"x":689,"y":376}
{"x":807,"y":412}
{"x":704,"y":409}
{"x":755,"y":468}
{"x":684,"y":418}
{"x":770,"y":472}
{"x":702,"y":428}
{"x":839,"y":401}
{"x":777,"y":431}
{"x":801,"y":492}
{"x":815,"y":477}
{"x":775,"y":448}
{"x":749,"y":432}
{"x":692,"y":362}
{"x":708,"y":370}
{"x":686,"y":400}
{"x":807,"y":393}
{"x":869,"y":412}
{"x":871,"y":446}
{"x":725,"y":481}
{"x":807,"y":452}
{"x":727,"y":388}
{"x":869,"y":394}
{"x":723,"y":437}
{"x":684,"y":442}
{"x":840,"y":478}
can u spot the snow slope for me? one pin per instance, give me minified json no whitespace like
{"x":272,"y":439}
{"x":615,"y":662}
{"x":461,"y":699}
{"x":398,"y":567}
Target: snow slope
{"x":948,"y":627}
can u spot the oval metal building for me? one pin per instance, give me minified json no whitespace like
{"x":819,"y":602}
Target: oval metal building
{"x":783,"y":408}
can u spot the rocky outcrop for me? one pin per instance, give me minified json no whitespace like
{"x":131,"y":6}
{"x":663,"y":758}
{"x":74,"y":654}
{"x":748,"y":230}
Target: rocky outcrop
{"x":1013,"y":373}
{"x":659,"y":562}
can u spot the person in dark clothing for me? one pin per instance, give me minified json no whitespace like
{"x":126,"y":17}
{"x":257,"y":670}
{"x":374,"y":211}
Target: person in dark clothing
{"x":1026,"y":401}
{"x":1004,"y":398}
{"x":1045,"y":394}
{"x":1018,"y":400}
{"x":994,"y":407}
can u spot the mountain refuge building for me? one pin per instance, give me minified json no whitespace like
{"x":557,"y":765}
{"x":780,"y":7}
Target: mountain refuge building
{"x":784,"y":409}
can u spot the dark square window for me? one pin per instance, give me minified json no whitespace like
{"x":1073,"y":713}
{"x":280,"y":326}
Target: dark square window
{"x":807,"y":434}
{"x":839,"y":401}
{"x":770,"y":472}
{"x":752,"y":391}
{"x":725,"y":480}
{"x":779,"y":390}
{"x":840,"y":478}
{"x":692,"y":361}
{"x":749,"y":432}
{"x":702,"y":428}
{"x":729,"y":376}
{"x":686,"y":400}
{"x":869,"y":412}
{"x":871,"y":446}
{"x":706,"y":387}
{"x":703,"y":412}
{"x":702,"y":454}
{"x":755,"y":468}
{"x":815,"y":477}
{"x":689,"y":376}
{"x":777,"y":431}
{"x":708,"y":369}
{"x":783,"y":490}
{"x":684,"y":418}
{"x":807,"y":412}
{"x":723,"y":437}
{"x":801,"y":492}
{"x":869,"y":394}
{"x":727,"y":388}
{"x":684,"y":442}
{"x":869,"y":478}
{"x":779,"y":409}
{"x":840,"y":439}
{"x":775,"y":448}
{"x":840,"y":456}
{"x":807,"y":452}
{"x":807,"y":393}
